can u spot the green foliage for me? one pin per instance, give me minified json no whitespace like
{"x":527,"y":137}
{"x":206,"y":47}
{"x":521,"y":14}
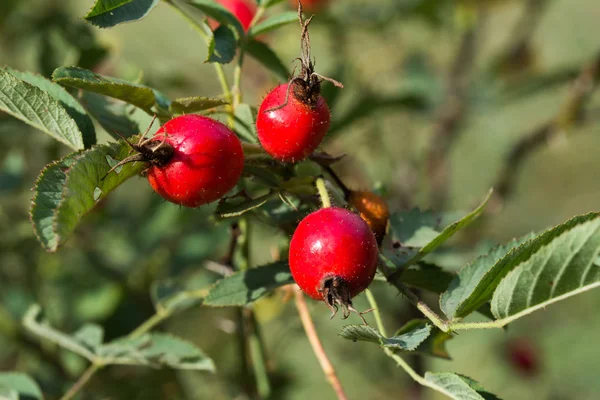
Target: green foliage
{"x":220,"y":14}
{"x":458,"y":387}
{"x":268,"y":3}
{"x":434,"y":345}
{"x":241,"y":204}
{"x":272,"y":23}
{"x":41,"y":110}
{"x":245,"y":115}
{"x":189,"y":105}
{"x":222,"y":45}
{"x":406,"y":341}
{"x":17,"y":386}
{"x":263,"y":54}
{"x":248,"y":286}
{"x":108,"y":13}
{"x":68,"y":189}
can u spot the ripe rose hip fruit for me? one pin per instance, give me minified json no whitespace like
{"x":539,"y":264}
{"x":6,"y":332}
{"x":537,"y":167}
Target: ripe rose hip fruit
{"x":294,"y":117}
{"x":243,"y":10}
{"x":373,"y":210}
{"x":311,"y":5}
{"x":193,"y":160}
{"x":333,"y":257}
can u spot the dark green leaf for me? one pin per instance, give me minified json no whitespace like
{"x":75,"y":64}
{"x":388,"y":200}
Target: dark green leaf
{"x":561,"y":265}
{"x":138,"y":95}
{"x":466,"y":282}
{"x":407,"y":341}
{"x":69,"y":188}
{"x":263,"y":54}
{"x":245,"y":126}
{"x":273,"y":23}
{"x":236,"y":206}
{"x":458,"y":387}
{"x":39,"y":109}
{"x":434,"y":345}
{"x":23,"y":385}
{"x":248,"y":286}
{"x":222,"y":45}
{"x":427,"y":276}
{"x":188,"y":105}
{"x":108,"y":13}
{"x":219,"y":13}
{"x":72,"y":106}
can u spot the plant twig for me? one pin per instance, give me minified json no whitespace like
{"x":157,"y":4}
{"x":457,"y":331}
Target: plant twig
{"x":311,"y":333}
{"x":82,"y":381}
{"x":325,"y":200}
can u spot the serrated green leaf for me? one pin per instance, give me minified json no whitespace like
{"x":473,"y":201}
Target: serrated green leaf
{"x":219,"y":13}
{"x":415,"y":228}
{"x":560,"y":266}
{"x":275,"y":22}
{"x":462,"y":287}
{"x":68,"y":189}
{"x":263,"y":54}
{"x":245,"y":127}
{"x":39,"y":109}
{"x":72,"y":106}
{"x":187,"y":105}
{"x":488,"y":283}
{"x":458,"y":387}
{"x":427,"y":276}
{"x":434,"y":345}
{"x":236,"y":206}
{"x":21,"y":384}
{"x":117,"y":116}
{"x":139,"y":95}
{"x":108,"y":13}
{"x":407,"y":341}
{"x":248,"y":286}
{"x":222,"y":45}
{"x":90,"y":335}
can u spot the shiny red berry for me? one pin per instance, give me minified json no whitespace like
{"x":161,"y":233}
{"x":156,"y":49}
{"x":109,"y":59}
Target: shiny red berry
{"x":243,"y":10}
{"x":310,"y":5}
{"x":292,"y":132}
{"x":206,"y":160}
{"x":333,"y":256}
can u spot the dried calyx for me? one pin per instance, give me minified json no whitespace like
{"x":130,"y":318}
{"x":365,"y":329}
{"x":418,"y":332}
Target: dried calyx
{"x":336,"y":293}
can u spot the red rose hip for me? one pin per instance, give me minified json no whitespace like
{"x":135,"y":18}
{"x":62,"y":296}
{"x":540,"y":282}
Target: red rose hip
{"x":243,"y":10}
{"x":333,"y":257}
{"x":206,"y":162}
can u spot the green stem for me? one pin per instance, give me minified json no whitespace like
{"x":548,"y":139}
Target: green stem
{"x":257,"y":355}
{"x":82,"y":381}
{"x":376,"y":312}
{"x":323,"y":193}
{"x":198,"y":28}
{"x":150,"y":323}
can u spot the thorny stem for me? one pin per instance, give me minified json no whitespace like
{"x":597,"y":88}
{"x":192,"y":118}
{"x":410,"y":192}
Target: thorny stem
{"x":317,"y":346}
{"x":323,"y":193}
{"x":198,"y":28}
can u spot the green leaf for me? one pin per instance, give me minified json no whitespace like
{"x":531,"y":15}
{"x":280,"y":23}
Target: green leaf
{"x":39,"y":109}
{"x":23,"y":385}
{"x":108,"y":13}
{"x":245,"y":125}
{"x":458,"y":387}
{"x":415,"y":228}
{"x":559,"y":264}
{"x":407,"y":341}
{"x":222,"y":45}
{"x":427,"y":276}
{"x":461,"y":289}
{"x":68,"y":189}
{"x":273,"y":23}
{"x":434,"y":345}
{"x":138,"y":95}
{"x":117,"y":116}
{"x":156,"y":350}
{"x":248,"y":286}
{"x":188,"y":105}
{"x":219,"y":13}
{"x":90,"y":335}
{"x":263,"y":54}
{"x":72,"y":106}
{"x":238,"y":205}
{"x":268,"y":3}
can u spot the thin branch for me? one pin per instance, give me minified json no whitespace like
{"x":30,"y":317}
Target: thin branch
{"x":311,"y":333}
{"x":570,"y":114}
{"x":82,"y":381}
{"x":323,"y":193}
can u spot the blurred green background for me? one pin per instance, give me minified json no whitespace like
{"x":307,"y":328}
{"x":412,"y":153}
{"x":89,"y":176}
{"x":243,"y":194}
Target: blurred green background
{"x":395,"y":58}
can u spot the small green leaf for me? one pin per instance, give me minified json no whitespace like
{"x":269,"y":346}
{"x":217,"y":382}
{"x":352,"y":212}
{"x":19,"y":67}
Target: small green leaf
{"x":407,"y":341}
{"x":462,"y":287}
{"x":263,"y":54}
{"x":72,"y":106}
{"x":245,"y":127}
{"x":66,"y":190}
{"x":458,"y":387}
{"x":90,"y":335}
{"x":138,"y":95}
{"x":108,"y":13}
{"x":222,"y":45}
{"x":219,"y":13}
{"x":23,"y":385}
{"x":273,"y":23}
{"x":39,"y":109}
{"x":248,"y":286}
{"x":415,"y":228}
{"x":188,"y":105}
{"x":235,"y":206}
{"x":434,"y":345}
{"x":561,"y":263}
